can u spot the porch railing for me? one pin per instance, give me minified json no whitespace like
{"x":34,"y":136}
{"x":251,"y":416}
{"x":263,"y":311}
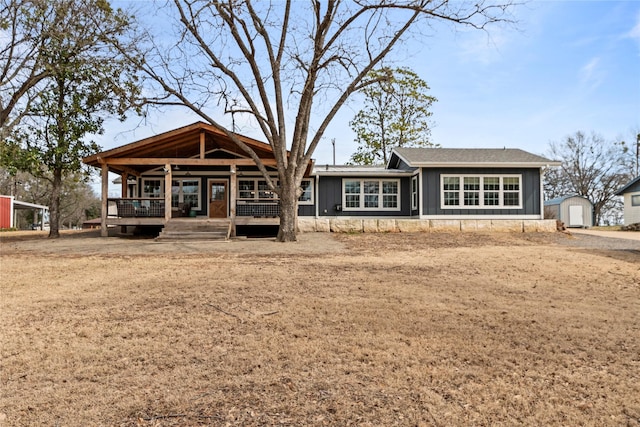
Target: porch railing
{"x":136,"y":207}
{"x":266,"y":209}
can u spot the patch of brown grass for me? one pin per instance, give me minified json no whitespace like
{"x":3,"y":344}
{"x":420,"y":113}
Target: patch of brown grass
{"x":396,"y":329}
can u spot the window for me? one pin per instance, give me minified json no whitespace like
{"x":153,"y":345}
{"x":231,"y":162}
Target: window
{"x":390,"y":194}
{"x":371,"y":194}
{"x":451,"y":187}
{"x":185,"y":190}
{"x":511,"y":187}
{"x":152,"y":188}
{"x":471,"y":191}
{"x":255,"y":189}
{"x":635,"y":200}
{"x":491,"y":187}
{"x":481,"y":192}
{"x":414,"y":193}
{"x":306,"y":198}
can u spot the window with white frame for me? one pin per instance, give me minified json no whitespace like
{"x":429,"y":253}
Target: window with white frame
{"x":451,"y":190}
{"x":481,"y":191}
{"x":255,"y":189}
{"x":185,"y":190}
{"x":365,"y":194}
{"x":306,"y":198}
{"x":414,"y":193}
{"x":152,"y":187}
{"x":635,"y":200}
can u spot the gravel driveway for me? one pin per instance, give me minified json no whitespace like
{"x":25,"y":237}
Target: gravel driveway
{"x":600,"y":240}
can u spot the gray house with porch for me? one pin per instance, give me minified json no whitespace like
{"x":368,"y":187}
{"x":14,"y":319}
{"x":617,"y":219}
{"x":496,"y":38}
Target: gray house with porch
{"x":197,"y":174}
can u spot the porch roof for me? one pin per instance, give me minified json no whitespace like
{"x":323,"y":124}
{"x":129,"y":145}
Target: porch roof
{"x":196,"y":144}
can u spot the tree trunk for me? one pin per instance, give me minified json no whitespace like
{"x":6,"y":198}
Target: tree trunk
{"x":54,"y":206}
{"x":288,"y":213}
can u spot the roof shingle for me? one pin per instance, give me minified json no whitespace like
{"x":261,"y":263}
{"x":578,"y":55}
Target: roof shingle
{"x":471,"y":156}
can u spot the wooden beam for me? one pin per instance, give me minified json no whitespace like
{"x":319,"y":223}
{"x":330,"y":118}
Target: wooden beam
{"x":185,"y":162}
{"x":131,"y":171}
{"x":104,"y":206}
{"x":232,"y":197}
{"x":167,"y":192}
{"x":202,"y":138}
{"x":124,"y":186}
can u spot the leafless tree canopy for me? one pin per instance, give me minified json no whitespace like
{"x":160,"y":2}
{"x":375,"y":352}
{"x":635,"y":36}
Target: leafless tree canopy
{"x":290,"y":66}
{"x":591,"y":167}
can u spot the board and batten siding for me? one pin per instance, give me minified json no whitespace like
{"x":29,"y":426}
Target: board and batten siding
{"x":530,"y":183}
{"x":330,"y":194}
{"x":631,"y":213}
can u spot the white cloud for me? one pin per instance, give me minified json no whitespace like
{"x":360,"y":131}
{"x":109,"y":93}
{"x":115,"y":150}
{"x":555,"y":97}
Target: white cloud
{"x":635,"y":32}
{"x":483,"y":48}
{"x":591,"y":74}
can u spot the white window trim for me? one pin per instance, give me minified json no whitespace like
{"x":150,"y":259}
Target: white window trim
{"x":380,"y":195}
{"x":256,"y":180}
{"x":633,"y":196}
{"x":181,"y":194}
{"x":144,"y":182}
{"x":481,"y":205}
{"x":414,"y":194}
{"x":313,"y":192}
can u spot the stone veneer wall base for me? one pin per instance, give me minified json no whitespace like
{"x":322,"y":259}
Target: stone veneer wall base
{"x":373,"y":225}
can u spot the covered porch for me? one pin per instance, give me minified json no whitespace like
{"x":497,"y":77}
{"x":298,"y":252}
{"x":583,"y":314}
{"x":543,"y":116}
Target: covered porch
{"x":196,"y":172}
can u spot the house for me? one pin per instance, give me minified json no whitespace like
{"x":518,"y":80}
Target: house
{"x":198,"y":172}
{"x":631,"y":200}
{"x":574,"y":211}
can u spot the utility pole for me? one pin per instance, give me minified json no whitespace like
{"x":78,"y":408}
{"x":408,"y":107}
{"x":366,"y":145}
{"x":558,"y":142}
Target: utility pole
{"x":333,"y":142}
{"x":638,"y":155}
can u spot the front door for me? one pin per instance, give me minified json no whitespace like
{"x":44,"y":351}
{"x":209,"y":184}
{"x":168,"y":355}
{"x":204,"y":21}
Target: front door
{"x":218,"y":199}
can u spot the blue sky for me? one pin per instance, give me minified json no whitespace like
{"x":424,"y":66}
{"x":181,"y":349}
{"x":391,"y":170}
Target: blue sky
{"x":566,"y":66}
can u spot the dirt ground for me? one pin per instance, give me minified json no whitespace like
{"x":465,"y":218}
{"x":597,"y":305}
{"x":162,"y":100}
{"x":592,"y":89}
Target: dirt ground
{"x":398,"y":329}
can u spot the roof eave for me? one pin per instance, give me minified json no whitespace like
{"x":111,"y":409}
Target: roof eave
{"x":621,"y":191}
{"x":385,"y":172}
{"x":483,"y":164}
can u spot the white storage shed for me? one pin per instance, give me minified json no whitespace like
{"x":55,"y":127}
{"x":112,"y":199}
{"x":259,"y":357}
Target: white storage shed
{"x":574,"y":211}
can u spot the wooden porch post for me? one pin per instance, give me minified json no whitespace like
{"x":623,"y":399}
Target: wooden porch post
{"x":124,"y":187}
{"x":202,"y":139}
{"x":104,"y":206}
{"x":232,"y":198}
{"x":167,"y":192}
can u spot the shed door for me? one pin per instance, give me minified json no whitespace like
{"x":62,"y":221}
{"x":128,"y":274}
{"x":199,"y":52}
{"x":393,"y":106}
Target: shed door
{"x":575,"y":216}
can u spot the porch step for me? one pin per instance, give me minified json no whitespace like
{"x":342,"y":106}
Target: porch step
{"x":196,"y":229}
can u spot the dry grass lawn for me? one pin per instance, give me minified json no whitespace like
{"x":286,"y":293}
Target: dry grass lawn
{"x":364,"y":330}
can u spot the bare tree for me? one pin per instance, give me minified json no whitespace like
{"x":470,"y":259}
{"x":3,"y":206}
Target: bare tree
{"x":592,"y":168}
{"x":289,"y":64}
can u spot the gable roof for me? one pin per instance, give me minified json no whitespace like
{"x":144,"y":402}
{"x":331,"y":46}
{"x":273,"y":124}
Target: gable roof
{"x":469,"y":157}
{"x":559,"y":200}
{"x":181,"y":143}
{"x":624,"y":189}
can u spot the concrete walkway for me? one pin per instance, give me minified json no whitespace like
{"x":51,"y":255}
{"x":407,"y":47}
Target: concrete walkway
{"x":631,"y":235}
